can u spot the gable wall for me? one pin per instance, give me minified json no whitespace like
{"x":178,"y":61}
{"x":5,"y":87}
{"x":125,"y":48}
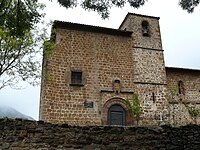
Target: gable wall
{"x":102,"y":58}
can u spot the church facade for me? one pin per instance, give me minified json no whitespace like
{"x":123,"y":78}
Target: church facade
{"x":93,"y":71}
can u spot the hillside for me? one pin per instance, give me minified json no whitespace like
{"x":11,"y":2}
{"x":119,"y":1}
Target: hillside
{"x":10,"y":112}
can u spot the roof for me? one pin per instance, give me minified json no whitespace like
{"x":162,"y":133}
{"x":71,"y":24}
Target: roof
{"x":183,"y":69}
{"x":137,"y":15}
{"x":90,"y":28}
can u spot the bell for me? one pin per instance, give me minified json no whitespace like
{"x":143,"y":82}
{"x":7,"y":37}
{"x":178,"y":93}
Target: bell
{"x":145,"y":32}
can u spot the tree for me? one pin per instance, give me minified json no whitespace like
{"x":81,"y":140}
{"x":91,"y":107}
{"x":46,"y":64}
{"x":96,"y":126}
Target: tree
{"x":189,"y":5}
{"x":134,"y":107}
{"x":102,"y":6}
{"x":20,"y":41}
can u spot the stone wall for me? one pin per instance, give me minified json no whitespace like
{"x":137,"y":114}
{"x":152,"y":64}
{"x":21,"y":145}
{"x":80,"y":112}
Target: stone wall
{"x":134,"y":60}
{"x":180,"y":97}
{"x":102,"y":58}
{"x":29,"y":135}
{"x":133,"y":22}
{"x":149,"y":67}
{"x":154,"y":104}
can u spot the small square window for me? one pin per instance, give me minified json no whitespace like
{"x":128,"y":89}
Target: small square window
{"x":76,"y":77}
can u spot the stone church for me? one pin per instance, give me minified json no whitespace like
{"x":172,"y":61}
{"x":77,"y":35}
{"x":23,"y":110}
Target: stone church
{"x":93,"y":70}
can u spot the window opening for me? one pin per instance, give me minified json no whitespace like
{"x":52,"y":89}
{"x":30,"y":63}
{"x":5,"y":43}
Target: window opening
{"x":117,"y":86}
{"x":153,"y":94}
{"x":117,"y":82}
{"x":145,"y":28}
{"x":181,"y":89}
{"x":76,"y":77}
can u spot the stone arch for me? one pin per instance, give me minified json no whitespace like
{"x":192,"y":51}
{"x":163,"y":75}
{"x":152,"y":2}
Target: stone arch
{"x":145,"y":28}
{"x":111,"y":102}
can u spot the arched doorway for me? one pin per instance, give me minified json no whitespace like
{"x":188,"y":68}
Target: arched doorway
{"x":116,"y":115}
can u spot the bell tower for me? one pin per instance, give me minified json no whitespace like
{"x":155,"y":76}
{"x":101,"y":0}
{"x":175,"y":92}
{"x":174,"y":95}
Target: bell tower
{"x":146,"y":30}
{"x":148,"y":64}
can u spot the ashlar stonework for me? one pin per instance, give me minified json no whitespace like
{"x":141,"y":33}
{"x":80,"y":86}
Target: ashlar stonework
{"x":93,"y":70}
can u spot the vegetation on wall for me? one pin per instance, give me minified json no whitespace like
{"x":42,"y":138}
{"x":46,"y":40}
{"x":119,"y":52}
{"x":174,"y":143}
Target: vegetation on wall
{"x":193,"y":111}
{"x":48,"y":47}
{"x":172,"y":93}
{"x":134,"y":107}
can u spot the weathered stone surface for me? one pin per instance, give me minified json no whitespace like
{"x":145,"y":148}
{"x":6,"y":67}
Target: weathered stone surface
{"x":188,"y":94}
{"x":104,"y":56}
{"x":136,"y":61}
{"x":99,"y":137}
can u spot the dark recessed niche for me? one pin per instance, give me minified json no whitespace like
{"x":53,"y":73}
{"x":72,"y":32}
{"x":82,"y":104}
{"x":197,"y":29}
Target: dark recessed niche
{"x":117,"y":81}
{"x":145,"y":28}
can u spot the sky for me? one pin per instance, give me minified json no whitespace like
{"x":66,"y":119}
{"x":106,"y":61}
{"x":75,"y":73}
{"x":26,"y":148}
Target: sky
{"x":180,"y":35}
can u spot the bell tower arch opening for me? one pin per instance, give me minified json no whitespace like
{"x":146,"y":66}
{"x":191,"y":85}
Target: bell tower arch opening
{"x":145,"y":28}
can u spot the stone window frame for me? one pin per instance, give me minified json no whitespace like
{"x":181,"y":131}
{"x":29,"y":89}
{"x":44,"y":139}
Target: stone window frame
{"x":145,"y":28}
{"x":114,"y":101}
{"x":82,"y":77}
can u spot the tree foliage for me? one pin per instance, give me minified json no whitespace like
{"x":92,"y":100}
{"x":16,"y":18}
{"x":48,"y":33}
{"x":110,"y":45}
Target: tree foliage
{"x":20,"y":35}
{"x":103,"y":6}
{"x":20,"y":39}
{"x":134,"y":107}
{"x":189,"y":5}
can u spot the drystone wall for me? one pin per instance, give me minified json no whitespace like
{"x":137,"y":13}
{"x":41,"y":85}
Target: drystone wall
{"x":31,"y":135}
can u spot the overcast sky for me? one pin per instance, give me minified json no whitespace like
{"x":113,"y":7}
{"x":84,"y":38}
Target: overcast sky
{"x":179,"y":31}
